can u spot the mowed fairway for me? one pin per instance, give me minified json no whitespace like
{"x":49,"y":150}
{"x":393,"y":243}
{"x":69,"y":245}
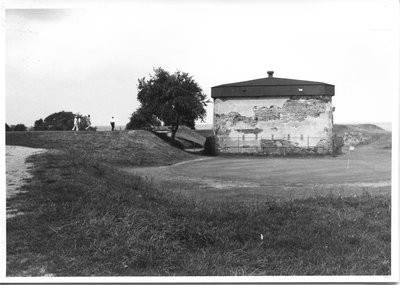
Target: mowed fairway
{"x":251,"y":178}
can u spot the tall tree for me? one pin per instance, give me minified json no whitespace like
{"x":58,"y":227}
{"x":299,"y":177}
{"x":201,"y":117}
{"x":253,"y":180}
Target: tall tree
{"x":174,"y":98}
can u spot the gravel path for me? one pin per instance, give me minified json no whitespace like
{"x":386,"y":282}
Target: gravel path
{"x":17,"y":170}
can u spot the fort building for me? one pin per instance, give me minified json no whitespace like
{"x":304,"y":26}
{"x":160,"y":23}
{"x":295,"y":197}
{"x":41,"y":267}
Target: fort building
{"x":273,"y":116}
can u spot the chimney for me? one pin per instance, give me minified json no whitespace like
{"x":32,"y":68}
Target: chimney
{"x":270,"y":74}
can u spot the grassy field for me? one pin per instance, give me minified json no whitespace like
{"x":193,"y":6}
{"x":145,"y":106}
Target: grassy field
{"x":85,"y":216}
{"x":246,"y":178}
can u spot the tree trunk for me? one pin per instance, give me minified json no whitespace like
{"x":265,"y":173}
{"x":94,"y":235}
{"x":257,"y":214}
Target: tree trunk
{"x":175,"y":127}
{"x":174,"y":130}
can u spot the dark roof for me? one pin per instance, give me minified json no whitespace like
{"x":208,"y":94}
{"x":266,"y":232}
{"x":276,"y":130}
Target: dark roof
{"x":271,"y":87}
{"x":272,"y":81}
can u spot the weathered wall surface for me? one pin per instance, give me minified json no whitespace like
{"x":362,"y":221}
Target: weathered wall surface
{"x":274,"y":125}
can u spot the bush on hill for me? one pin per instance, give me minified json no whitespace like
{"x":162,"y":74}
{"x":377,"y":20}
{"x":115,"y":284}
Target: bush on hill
{"x":60,"y":121}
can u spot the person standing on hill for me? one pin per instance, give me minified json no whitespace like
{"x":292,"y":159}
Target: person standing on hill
{"x":76,"y":127}
{"x":79,"y":123}
{"x":89,"y":124}
{"x":112,"y":122}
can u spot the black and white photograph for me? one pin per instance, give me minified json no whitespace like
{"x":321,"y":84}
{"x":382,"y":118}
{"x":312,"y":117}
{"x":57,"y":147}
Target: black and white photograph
{"x":200,"y":141}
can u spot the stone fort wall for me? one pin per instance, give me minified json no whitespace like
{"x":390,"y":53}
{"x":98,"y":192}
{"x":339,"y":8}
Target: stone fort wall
{"x":274,"y":125}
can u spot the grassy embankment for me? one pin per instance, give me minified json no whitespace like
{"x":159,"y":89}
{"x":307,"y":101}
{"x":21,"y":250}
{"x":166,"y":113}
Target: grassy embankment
{"x":82,"y":216}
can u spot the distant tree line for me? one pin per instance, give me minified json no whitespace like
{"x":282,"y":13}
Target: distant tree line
{"x":176,"y":99}
{"x":60,"y":121}
{"x":16,"y":128}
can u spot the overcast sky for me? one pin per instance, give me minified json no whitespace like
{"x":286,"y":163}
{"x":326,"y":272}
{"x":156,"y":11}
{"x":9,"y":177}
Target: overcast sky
{"x":87,"y":58}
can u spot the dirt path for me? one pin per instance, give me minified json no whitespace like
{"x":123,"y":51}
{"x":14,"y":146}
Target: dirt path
{"x":17,"y":171}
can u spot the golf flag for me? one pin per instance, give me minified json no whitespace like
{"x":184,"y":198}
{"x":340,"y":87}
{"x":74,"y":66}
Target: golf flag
{"x":352,"y":148}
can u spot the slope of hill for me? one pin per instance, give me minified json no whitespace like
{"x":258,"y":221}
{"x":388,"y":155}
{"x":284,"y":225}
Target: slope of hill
{"x":122,"y":147}
{"x":364,"y":134}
